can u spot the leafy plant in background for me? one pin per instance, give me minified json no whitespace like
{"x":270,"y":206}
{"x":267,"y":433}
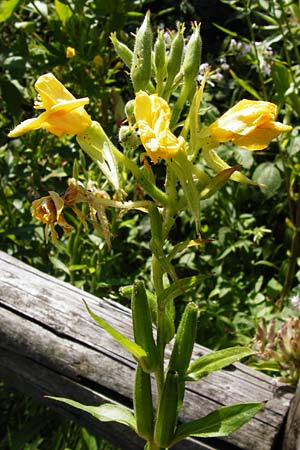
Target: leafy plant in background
{"x":264,"y":62}
{"x":164,"y":81}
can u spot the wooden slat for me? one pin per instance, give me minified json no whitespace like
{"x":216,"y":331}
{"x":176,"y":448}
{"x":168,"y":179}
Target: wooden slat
{"x":50,"y":346}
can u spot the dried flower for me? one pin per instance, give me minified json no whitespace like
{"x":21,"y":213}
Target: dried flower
{"x":49,"y":211}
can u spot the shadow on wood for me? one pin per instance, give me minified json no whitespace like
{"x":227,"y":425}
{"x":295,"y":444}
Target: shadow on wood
{"x":50,"y":346}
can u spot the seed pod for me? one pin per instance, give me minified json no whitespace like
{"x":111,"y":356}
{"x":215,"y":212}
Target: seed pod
{"x":143,"y":406}
{"x":122,"y":50}
{"x":167,"y":412}
{"x":184,"y":341}
{"x":174,"y":59}
{"x":142,"y":56}
{"x":142,"y":326}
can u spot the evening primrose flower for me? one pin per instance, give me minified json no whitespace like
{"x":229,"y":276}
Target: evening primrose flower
{"x":48,"y":210}
{"x":64,"y":113}
{"x":153,"y":115}
{"x":249,"y":124}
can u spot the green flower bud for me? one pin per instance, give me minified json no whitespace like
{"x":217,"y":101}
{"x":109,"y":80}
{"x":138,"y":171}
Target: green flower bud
{"x":143,"y":406}
{"x":167,"y":412}
{"x":192,"y":57}
{"x":142,"y":326}
{"x":174,"y":59}
{"x":160,"y":61}
{"x":142,"y":56}
{"x":122,"y":50}
{"x":129,"y":111}
{"x":128,"y":137}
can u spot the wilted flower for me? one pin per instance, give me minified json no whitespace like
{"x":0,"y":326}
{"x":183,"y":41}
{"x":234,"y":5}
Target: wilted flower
{"x":152,"y":114}
{"x":249,"y":124}
{"x":64,"y":113}
{"x":49,"y":211}
{"x":70,"y":52}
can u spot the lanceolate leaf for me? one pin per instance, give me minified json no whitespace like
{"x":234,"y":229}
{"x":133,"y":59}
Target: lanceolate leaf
{"x":221,"y":422}
{"x":137,"y":351}
{"x":105,"y":413}
{"x":215,"y":361}
{"x":217,"y":182}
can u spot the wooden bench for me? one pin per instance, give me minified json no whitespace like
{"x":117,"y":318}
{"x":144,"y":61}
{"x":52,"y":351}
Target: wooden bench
{"x":50,"y":346}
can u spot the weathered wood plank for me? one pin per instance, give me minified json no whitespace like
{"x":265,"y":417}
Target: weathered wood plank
{"x":292,"y":429}
{"x":50,"y":346}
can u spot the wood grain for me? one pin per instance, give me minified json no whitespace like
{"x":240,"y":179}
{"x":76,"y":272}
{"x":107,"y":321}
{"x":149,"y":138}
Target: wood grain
{"x":50,"y":346}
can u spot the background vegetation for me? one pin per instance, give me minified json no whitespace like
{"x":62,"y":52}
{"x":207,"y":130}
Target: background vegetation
{"x":252,"y":47}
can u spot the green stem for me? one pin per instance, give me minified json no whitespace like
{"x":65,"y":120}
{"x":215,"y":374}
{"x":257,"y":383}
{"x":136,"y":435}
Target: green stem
{"x":157,"y":195}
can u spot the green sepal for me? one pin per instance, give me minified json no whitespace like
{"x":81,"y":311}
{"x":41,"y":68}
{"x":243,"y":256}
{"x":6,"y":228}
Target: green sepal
{"x":136,"y":350}
{"x":217,"y":182}
{"x":218,"y":164}
{"x":219,"y":423}
{"x":143,"y":406}
{"x":142,"y":326}
{"x":213,"y":361}
{"x":166,"y":420}
{"x":98,"y":146}
{"x":107,"y":412}
{"x":142,"y":56}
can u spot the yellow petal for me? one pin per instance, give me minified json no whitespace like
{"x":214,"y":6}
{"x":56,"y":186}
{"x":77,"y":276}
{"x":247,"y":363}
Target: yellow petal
{"x":51,"y":91}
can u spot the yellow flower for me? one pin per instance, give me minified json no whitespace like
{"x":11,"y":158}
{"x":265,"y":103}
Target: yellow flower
{"x":70,"y":52}
{"x":249,"y":124}
{"x":152,"y":115}
{"x":49,"y":211}
{"x":98,"y":60}
{"x":64,"y":113}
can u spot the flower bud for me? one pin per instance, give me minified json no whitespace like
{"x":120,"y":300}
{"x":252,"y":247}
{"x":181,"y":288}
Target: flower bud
{"x":122,"y":50}
{"x":192,"y":57}
{"x":160,"y":61}
{"x":174,"y":59}
{"x":142,"y":56}
{"x":128,"y":137}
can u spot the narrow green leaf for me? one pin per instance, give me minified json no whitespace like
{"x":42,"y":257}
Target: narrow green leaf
{"x":215,"y":361}
{"x":221,"y":422}
{"x":217,"y":182}
{"x":107,"y":412}
{"x":246,"y":86}
{"x":136,"y":350}
{"x":181,"y":287}
{"x":7,"y":7}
